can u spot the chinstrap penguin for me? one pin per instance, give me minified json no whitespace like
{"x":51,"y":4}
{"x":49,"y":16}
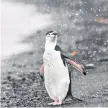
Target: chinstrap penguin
{"x":55,"y":70}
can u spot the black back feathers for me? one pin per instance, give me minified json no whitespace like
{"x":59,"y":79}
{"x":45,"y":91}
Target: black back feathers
{"x":57,"y":48}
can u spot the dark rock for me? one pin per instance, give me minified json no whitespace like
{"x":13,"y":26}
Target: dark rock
{"x":14,"y":64}
{"x":19,"y":66}
{"x":30,"y":53}
{"x":23,"y":79}
{"x":9,"y":78}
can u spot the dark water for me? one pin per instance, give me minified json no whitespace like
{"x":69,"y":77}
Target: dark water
{"x":79,"y":29}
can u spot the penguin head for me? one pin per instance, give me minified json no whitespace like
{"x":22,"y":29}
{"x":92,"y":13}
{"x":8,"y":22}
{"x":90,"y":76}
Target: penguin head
{"x":51,"y":36}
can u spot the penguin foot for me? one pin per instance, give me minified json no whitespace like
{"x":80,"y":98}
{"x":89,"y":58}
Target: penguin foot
{"x":76,"y":99}
{"x":55,"y":103}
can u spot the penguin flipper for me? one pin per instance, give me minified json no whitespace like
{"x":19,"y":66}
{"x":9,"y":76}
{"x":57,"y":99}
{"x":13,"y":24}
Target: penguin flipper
{"x":41,"y":73}
{"x":57,"y":48}
{"x":63,"y":56}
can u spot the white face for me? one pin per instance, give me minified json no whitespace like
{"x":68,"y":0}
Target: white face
{"x":51,"y":37}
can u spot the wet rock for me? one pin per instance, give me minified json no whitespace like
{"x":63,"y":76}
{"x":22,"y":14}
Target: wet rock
{"x":14,"y":64}
{"x":9,"y":78}
{"x":23,"y":79}
{"x":19,"y":66}
{"x":30,"y":53}
{"x":9,"y":72}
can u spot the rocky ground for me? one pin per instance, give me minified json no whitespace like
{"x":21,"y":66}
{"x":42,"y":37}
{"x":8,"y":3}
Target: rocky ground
{"x":79,"y":29}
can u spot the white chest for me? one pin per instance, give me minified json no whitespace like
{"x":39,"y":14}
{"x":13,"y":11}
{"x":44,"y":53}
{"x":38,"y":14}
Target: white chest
{"x":53,"y":65}
{"x":51,"y":58}
{"x":56,"y":75}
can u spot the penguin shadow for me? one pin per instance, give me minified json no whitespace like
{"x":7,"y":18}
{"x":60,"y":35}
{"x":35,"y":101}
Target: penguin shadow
{"x":74,"y":101}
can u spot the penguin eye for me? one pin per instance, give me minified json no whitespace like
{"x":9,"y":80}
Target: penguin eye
{"x":54,"y":33}
{"x":51,"y":35}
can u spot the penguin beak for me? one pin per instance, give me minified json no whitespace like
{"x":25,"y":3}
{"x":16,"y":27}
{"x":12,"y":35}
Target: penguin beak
{"x":77,"y":66}
{"x":54,"y":33}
